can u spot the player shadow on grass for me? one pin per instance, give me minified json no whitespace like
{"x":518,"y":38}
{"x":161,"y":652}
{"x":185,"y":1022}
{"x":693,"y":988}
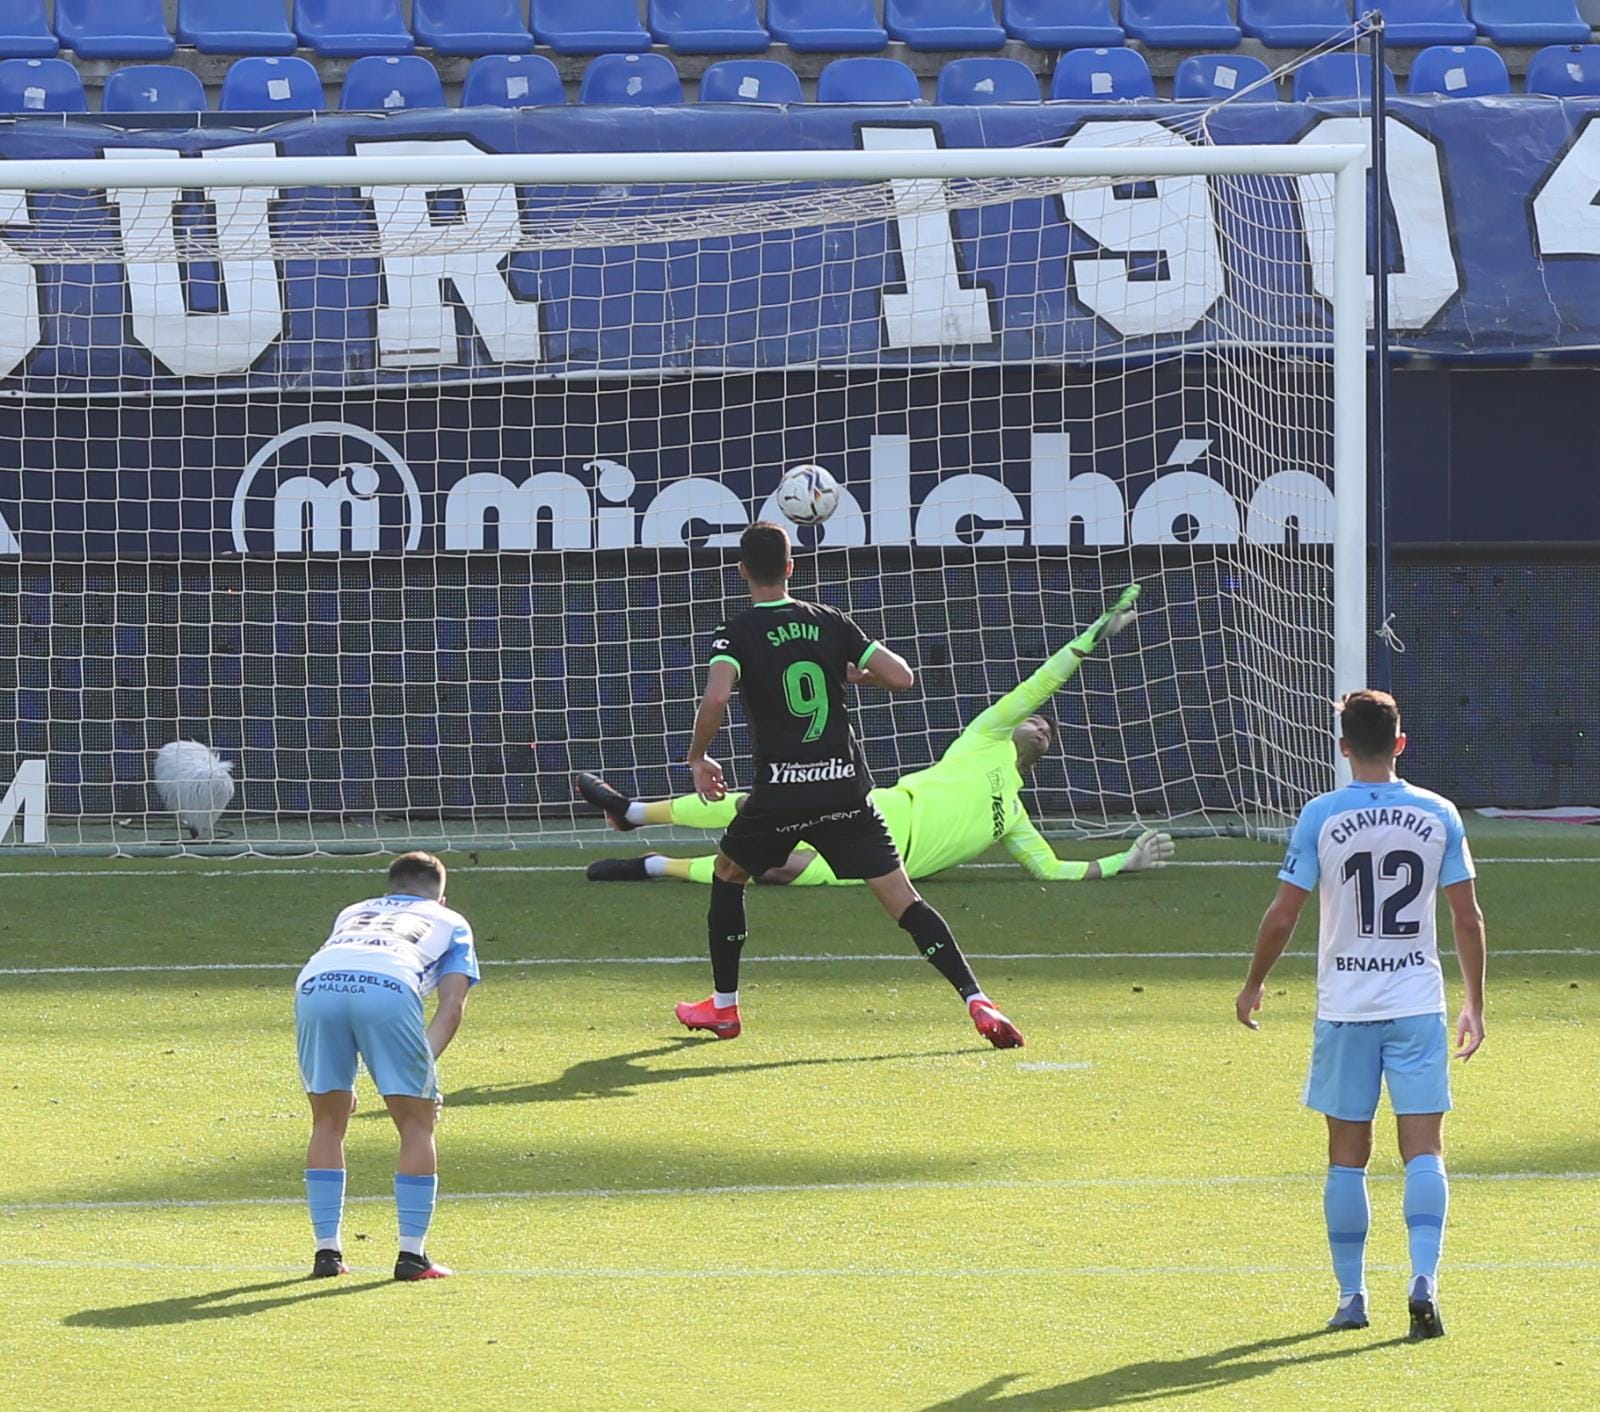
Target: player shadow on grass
{"x":619,"y":1075}
{"x":1134,"y":1383}
{"x":188,"y":1308}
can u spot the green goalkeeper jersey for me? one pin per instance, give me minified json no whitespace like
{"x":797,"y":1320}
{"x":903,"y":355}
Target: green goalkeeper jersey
{"x":972,"y":798}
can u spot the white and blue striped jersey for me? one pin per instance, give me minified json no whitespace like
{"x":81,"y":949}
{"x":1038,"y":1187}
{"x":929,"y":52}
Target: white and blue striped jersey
{"x":414,"y":939}
{"x":1380,"y":853}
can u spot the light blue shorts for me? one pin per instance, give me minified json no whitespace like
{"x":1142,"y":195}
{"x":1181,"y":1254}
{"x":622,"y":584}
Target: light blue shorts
{"x":1351,"y":1059}
{"x":340,"y":1014}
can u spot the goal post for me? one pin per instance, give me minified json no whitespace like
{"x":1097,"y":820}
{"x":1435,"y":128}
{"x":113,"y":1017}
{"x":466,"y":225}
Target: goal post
{"x":406,"y":483}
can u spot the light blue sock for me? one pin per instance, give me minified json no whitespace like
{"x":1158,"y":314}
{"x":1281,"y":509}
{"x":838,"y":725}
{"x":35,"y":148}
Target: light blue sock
{"x":325,"y":1199}
{"x":1427,"y":1200}
{"x":1345,"y":1205}
{"x":414,"y":1198}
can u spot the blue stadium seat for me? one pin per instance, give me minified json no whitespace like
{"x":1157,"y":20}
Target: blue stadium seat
{"x":391,"y":83}
{"x":868,"y":81}
{"x":1337,"y":76}
{"x":114,"y":29}
{"x":25,"y":33}
{"x":943,"y":24}
{"x":1459,"y":71}
{"x":1293,"y":24}
{"x":985,"y":80}
{"x":512,"y":81}
{"x":1565,"y":71}
{"x":1180,"y":24}
{"x":750,"y":81}
{"x":826,"y":26}
{"x":235,"y":26}
{"x":153,"y":88}
{"x":1102,"y":74}
{"x":343,"y":28}
{"x":41,"y":86}
{"x":470,"y":26}
{"x":1426,"y":22}
{"x":589,"y":26}
{"x":261,"y":85}
{"x":708,"y":26}
{"x":639,"y":80}
{"x":1531,"y":21}
{"x":1218,"y":76}
{"x":1062,"y":24}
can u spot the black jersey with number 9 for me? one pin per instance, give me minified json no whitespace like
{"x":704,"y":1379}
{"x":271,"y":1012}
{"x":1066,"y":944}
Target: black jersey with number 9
{"x":791,"y":658}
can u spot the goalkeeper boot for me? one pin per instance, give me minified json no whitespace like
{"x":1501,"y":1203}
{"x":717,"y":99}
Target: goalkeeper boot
{"x":590,"y":788}
{"x":1423,"y":1305}
{"x":419,"y":1267}
{"x":722,"y":1021}
{"x":994,"y":1026}
{"x":1351,"y":1313}
{"x":617,"y":870}
{"x":327,"y":1263}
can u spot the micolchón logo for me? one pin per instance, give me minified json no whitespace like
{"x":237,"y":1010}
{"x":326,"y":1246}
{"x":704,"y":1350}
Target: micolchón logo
{"x":327,"y":488}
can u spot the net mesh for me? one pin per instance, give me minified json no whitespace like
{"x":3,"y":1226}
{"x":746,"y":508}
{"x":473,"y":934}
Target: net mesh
{"x":409,"y":502}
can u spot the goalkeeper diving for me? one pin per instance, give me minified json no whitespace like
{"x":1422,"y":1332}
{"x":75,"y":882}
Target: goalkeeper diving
{"x":943,"y":816}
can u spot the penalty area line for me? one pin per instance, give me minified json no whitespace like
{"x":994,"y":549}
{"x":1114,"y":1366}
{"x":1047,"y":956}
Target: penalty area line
{"x":823,"y":1272}
{"x":787,"y":959}
{"x":266,"y":868}
{"x":778,"y":1189}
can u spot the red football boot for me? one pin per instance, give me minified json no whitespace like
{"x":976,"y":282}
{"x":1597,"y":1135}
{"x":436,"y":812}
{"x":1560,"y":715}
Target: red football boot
{"x":419,"y":1267}
{"x":994,"y":1026}
{"x":705,"y":1015}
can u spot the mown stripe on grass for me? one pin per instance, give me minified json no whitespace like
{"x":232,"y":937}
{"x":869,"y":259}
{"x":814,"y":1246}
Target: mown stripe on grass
{"x":784,"y":1189}
{"x":791,"y":959}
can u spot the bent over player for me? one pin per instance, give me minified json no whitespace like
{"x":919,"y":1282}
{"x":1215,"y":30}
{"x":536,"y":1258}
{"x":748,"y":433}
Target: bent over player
{"x":940,"y":817}
{"x":1379,"y":848}
{"x":791,"y":662}
{"x":361,"y":993}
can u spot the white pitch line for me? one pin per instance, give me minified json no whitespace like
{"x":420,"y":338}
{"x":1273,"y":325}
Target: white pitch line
{"x":791,"y":959}
{"x":779,"y":1189}
{"x":845,"y":1272}
{"x":1044,"y":1066}
{"x":177,"y":868}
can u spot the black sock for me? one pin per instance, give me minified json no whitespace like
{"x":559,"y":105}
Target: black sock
{"x":725,"y":923}
{"x":937,"y":944}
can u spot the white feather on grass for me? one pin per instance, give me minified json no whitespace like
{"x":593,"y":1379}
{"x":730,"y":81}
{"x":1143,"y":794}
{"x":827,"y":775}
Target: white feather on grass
{"x":195,"y":783}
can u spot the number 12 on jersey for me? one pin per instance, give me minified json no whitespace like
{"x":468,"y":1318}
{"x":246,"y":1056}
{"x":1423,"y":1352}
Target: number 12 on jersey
{"x":1358,"y":869}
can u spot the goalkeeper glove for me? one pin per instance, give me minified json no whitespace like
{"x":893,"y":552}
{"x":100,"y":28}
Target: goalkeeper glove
{"x":1118,"y":616}
{"x":1150,"y":850}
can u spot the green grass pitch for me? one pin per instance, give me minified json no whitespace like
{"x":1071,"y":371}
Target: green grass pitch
{"x":857,"y":1205}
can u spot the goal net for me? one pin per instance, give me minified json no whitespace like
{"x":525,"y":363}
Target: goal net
{"x":406,"y":483}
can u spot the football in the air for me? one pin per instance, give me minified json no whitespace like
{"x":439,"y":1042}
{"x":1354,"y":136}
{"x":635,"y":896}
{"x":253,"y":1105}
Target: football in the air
{"x":808,"y":495}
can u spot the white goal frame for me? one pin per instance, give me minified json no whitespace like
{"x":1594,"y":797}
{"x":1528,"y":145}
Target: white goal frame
{"x":1344,"y":166}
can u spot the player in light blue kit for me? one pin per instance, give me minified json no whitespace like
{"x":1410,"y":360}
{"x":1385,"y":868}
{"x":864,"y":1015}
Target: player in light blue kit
{"x":1380,"y":849}
{"x":362,"y":994}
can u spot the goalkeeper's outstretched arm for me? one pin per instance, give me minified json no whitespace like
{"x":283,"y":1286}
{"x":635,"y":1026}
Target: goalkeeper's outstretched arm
{"x":1028,"y":846}
{"x":1012,"y":709}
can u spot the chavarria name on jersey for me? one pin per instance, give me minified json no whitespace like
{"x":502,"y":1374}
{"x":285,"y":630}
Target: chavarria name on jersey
{"x":1378,"y":852}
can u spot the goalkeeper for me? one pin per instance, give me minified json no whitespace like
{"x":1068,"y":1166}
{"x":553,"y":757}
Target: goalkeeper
{"x":945,"y":815}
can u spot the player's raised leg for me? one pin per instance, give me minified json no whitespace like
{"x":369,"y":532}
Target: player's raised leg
{"x":937,"y":943}
{"x":687,"y":811}
{"x":718,"y":1014}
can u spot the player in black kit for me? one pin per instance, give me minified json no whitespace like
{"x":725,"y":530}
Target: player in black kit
{"x":791,"y":662}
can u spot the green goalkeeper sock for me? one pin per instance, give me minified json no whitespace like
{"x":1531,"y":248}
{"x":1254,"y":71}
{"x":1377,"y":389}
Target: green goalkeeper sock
{"x":699,"y":870}
{"x":690,"y":811}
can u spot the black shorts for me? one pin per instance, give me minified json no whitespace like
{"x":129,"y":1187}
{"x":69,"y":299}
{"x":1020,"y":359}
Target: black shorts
{"x":853,"y":840}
